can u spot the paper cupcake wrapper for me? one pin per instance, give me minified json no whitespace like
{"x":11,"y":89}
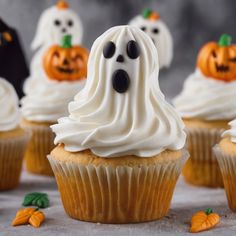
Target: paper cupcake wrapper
{"x":227,"y":164}
{"x":117,"y":194}
{"x":11,"y":157}
{"x":202,"y":168}
{"x":40,"y":145}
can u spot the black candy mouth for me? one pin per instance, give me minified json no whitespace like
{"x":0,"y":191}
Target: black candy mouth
{"x":120,"y":81}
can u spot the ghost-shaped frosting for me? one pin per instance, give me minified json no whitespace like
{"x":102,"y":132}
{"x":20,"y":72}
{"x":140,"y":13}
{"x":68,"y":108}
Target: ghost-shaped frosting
{"x":159,"y":33}
{"x":54,"y":23}
{"x":121,"y":110}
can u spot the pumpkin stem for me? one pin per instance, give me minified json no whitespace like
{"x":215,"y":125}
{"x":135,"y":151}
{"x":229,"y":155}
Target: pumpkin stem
{"x":146,"y":13}
{"x":225,"y":40}
{"x":66,"y":41}
{"x":208,"y":211}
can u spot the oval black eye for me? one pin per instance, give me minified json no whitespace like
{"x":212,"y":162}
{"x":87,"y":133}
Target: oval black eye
{"x":109,"y":49}
{"x":143,"y":28}
{"x":133,"y":49}
{"x":70,"y":23}
{"x":155,"y":30}
{"x":213,"y":53}
{"x":57,"y":22}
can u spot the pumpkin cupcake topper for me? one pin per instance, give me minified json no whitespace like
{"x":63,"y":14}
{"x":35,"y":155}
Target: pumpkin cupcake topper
{"x":218,"y":60}
{"x":150,"y":15}
{"x":65,"y":61}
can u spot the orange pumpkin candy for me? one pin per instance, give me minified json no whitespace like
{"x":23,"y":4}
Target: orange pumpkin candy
{"x":218,"y":60}
{"x":66,"y":62}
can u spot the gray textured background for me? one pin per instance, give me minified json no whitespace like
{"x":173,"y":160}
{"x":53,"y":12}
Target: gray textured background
{"x":192,"y":22}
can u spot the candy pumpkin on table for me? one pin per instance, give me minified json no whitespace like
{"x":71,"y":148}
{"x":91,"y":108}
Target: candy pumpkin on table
{"x":66,"y":62}
{"x":218,"y":60}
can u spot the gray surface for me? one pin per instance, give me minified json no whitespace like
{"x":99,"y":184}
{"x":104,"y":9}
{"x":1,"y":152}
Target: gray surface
{"x":186,"y":201}
{"x":192,"y":23}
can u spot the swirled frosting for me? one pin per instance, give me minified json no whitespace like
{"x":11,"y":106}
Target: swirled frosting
{"x":9,"y":112}
{"x":206,"y":98}
{"x":231,"y":132}
{"x":134,"y":121}
{"x":46,"y":100}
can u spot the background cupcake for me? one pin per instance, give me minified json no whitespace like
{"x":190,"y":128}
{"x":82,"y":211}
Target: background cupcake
{"x":149,"y":21}
{"x":225,"y":153}
{"x":119,"y":151}
{"x":54,"y":23}
{"x":13,"y":139}
{"x":207,"y":105}
{"x":47,"y":96}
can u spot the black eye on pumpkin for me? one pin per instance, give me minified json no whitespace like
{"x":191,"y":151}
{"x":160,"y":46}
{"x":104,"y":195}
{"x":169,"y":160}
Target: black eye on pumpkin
{"x":214,"y":54}
{"x":56,"y":54}
{"x":133,"y":49}
{"x":70,"y":23}
{"x":57,"y":22}
{"x":155,"y":30}
{"x":109,"y":49}
{"x":143,"y":28}
{"x":233,"y":59}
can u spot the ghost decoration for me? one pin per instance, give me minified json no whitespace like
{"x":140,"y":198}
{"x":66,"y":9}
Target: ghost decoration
{"x":54,"y":23}
{"x":151,"y":24}
{"x":121,"y":110}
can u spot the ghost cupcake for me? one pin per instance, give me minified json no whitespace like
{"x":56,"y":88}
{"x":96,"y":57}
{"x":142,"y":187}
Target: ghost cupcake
{"x":120,"y":151}
{"x":13,"y":139}
{"x":46,"y":98}
{"x":225,"y":153}
{"x":207,"y":104}
{"x":150,"y":22}
{"x":54,"y":23}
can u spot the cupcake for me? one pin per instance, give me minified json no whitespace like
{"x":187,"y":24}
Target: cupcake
{"x":225,"y":153}
{"x":120,"y":151}
{"x":207,"y":104}
{"x":13,"y":139}
{"x":47,"y":96}
{"x":54,"y":23}
{"x":149,"y":21}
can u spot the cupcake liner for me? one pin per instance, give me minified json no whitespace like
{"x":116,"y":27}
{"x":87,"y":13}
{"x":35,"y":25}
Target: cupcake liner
{"x":202,"y":167}
{"x":11,"y":157}
{"x":120,"y":194}
{"x":40,"y":145}
{"x":227,"y":164}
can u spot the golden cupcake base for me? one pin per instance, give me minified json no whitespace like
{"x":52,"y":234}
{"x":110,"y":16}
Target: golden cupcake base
{"x":227,"y":163}
{"x":12,"y":148}
{"x":116,"y":190}
{"x":202,"y":168}
{"x":40,"y":145}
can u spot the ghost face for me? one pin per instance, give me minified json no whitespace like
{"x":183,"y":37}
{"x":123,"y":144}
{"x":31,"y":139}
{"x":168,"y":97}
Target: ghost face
{"x":121,"y":58}
{"x":54,"y":23}
{"x":160,"y":36}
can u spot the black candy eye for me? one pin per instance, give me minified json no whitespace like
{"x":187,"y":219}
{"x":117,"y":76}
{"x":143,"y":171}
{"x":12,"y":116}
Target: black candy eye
{"x":70,"y":23}
{"x":233,"y":59}
{"x":109,"y":49}
{"x":214,"y":54}
{"x":133,"y":49}
{"x":57,"y":22}
{"x":143,"y":28}
{"x":155,"y":30}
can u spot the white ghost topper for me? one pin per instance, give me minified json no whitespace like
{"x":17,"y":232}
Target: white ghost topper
{"x":54,"y":23}
{"x":121,"y":110}
{"x":151,"y":23}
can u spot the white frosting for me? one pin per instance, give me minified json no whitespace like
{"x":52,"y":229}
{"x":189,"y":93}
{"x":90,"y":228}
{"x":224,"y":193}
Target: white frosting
{"x":47,"y":100}
{"x":138,"y":122}
{"x":48,"y":33}
{"x":206,"y":98}
{"x":162,"y":40}
{"x":231,"y":132}
{"x":9,"y":112}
